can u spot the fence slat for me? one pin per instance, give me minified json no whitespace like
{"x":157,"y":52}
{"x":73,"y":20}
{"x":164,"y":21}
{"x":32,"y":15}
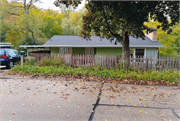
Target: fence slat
{"x":170,"y":63}
{"x":173,"y":63}
{"x":179,"y":63}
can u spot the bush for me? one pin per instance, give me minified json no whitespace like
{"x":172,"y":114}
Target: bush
{"x":55,"y":69}
{"x":29,"y":61}
{"x":53,"y":61}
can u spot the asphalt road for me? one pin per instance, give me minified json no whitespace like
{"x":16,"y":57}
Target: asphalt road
{"x":25,"y":99}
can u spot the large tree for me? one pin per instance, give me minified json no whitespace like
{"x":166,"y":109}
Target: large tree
{"x":21,"y":21}
{"x":52,"y":23}
{"x":72,"y":23}
{"x":108,"y":18}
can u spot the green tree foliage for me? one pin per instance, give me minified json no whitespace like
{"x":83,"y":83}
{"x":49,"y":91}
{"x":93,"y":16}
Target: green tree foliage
{"x":109,"y":17}
{"x":52,"y":23}
{"x":21,"y":21}
{"x":169,"y":41}
{"x":3,"y":37}
{"x":72,"y":22}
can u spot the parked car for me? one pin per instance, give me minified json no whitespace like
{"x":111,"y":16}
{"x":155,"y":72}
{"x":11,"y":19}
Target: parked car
{"x":9,"y":57}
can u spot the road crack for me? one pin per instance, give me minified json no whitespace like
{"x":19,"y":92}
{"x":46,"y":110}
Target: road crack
{"x":96,"y":104}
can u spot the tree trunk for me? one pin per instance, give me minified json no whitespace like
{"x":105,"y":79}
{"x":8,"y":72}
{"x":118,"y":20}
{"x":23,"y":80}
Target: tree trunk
{"x":126,"y":50}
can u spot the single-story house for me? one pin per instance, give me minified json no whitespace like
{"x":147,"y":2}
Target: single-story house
{"x":73,"y":44}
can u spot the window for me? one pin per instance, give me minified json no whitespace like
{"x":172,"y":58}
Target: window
{"x":12,"y":53}
{"x":65,"y":50}
{"x":139,"y":52}
{"x":1,"y":52}
{"x":16,"y":52}
{"x":89,"y":51}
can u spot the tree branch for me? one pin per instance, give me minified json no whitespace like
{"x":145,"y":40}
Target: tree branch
{"x":29,"y":4}
{"x":116,"y":35}
{"x":13,"y":13}
{"x":25,"y":6}
{"x":32,"y":33}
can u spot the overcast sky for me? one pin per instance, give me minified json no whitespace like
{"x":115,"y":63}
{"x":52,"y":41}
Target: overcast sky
{"x":46,"y":4}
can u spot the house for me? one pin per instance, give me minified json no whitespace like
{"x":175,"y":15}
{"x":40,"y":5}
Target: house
{"x":73,"y":44}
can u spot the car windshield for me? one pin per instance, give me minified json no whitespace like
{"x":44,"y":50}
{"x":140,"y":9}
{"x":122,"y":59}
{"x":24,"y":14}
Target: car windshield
{"x":12,"y":53}
{"x":1,"y":52}
{"x":16,"y":52}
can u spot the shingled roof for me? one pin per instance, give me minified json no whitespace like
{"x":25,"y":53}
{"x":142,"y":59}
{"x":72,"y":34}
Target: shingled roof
{"x":76,"y":41}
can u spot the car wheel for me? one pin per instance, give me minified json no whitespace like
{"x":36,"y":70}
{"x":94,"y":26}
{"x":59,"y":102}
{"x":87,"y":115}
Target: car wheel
{"x":11,"y":64}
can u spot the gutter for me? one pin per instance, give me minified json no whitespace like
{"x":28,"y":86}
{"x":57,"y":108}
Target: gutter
{"x":95,"y":46}
{"x":6,"y":45}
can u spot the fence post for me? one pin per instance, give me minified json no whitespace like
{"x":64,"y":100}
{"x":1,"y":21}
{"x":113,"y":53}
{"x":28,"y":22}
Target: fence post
{"x":173,"y":64}
{"x":162,"y":63}
{"x":130,"y":62}
{"x":141,"y":62}
{"x":179,"y":63}
{"x":95,"y":56}
{"x":85,"y":60}
{"x":170,"y":63}
{"x":147,"y":63}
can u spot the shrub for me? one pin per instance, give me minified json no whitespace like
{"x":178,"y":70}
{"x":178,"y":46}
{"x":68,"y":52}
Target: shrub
{"x":29,"y":61}
{"x":150,"y":75}
{"x":53,"y":61}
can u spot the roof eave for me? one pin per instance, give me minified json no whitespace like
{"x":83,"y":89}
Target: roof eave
{"x":147,"y":46}
{"x":81,"y":46}
{"x":6,"y":45}
{"x":96,"y":46}
{"x":34,"y":46}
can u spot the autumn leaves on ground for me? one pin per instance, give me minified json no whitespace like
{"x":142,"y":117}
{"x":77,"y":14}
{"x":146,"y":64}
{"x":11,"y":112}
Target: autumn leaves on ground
{"x":23,"y":98}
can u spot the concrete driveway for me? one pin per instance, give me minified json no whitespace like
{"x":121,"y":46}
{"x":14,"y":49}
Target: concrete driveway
{"x":25,"y":99}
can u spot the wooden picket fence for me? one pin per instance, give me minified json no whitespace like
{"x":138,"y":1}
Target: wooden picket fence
{"x":108,"y":61}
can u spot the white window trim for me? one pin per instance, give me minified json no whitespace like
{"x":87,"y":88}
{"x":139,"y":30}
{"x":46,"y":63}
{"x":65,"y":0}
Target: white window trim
{"x":89,"y":48}
{"x":67,"y":49}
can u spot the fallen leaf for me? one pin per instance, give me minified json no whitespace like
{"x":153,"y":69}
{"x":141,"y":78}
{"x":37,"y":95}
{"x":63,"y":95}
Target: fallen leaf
{"x":13,"y":113}
{"x":67,"y":94}
{"x":140,"y":111}
{"x":163,"y":119}
{"x":91,"y":95}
